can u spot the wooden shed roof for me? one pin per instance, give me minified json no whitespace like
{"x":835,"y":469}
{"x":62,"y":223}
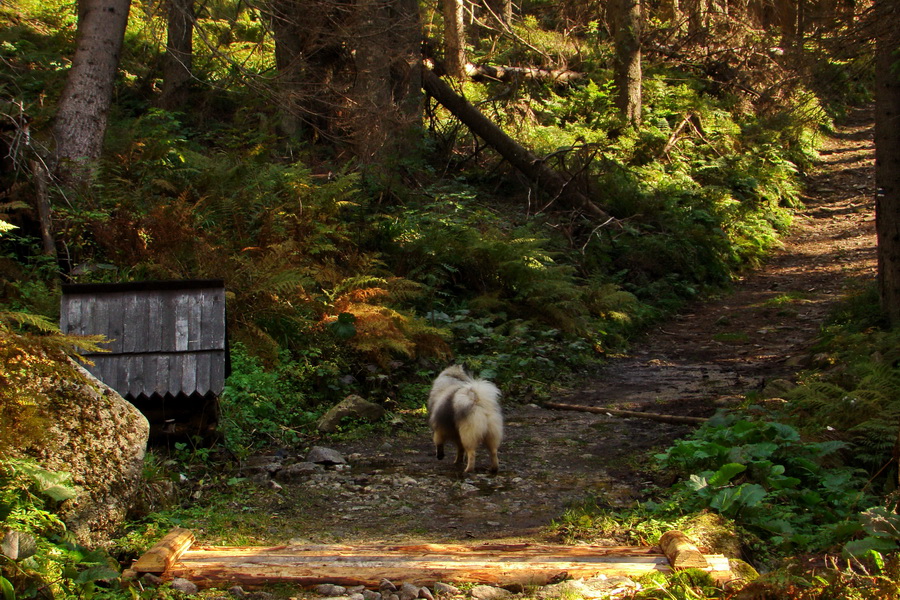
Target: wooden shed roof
{"x":166,"y":337}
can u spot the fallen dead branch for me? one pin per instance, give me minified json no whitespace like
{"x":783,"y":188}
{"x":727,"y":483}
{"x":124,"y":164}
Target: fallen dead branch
{"x":626,"y":413}
{"x":509,"y":74}
{"x":518,"y":156}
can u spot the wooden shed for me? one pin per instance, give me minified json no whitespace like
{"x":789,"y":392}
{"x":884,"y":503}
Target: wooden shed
{"x":168,"y":347}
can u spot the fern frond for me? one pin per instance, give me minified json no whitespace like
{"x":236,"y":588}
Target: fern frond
{"x":39,"y":322}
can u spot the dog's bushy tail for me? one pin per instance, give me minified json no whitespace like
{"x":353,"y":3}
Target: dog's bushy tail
{"x":483,"y":392}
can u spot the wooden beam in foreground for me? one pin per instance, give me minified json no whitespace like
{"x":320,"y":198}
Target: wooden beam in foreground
{"x":165,"y":552}
{"x":420,"y":564}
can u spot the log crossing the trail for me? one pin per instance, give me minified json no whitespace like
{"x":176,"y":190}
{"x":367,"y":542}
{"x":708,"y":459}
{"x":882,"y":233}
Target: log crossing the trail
{"x":498,"y":564}
{"x":627,"y":413}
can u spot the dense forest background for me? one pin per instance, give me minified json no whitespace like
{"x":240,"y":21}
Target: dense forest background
{"x":387,"y":186}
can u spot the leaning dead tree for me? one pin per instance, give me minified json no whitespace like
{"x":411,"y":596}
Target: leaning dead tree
{"x":533,"y":167}
{"x":510,"y":74}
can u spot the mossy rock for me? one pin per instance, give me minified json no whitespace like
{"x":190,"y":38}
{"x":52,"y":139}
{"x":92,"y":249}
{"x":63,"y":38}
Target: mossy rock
{"x":743,"y":572}
{"x":714,"y":534}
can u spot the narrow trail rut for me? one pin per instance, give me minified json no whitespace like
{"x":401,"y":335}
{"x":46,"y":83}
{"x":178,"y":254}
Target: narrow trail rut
{"x":711,"y":356}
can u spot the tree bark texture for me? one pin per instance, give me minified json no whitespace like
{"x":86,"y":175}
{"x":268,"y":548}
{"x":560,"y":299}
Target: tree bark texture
{"x":627,"y":33}
{"x":309,"y":53}
{"x":386,"y":104}
{"x":518,"y":156}
{"x":516,"y":74}
{"x":454,"y":37}
{"x":887,"y":156}
{"x":373,"y":109}
{"x":499,"y":564}
{"x":178,"y":61}
{"x":42,"y":200}
{"x":406,"y":70}
{"x":84,"y":105}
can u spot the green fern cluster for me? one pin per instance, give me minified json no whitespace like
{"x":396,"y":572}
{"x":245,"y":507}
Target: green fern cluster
{"x":857,"y":398}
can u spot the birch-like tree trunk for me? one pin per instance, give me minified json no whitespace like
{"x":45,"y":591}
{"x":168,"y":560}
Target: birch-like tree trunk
{"x":84,"y":105}
{"x":454,"y":37}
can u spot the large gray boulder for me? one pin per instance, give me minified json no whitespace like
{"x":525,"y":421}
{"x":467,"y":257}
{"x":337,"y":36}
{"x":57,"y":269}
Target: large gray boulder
{"x":100,"y":438}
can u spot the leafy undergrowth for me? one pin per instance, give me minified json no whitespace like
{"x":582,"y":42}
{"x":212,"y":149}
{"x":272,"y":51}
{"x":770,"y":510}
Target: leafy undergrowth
{"x":807,"y":483}
{"x":345,"y":282}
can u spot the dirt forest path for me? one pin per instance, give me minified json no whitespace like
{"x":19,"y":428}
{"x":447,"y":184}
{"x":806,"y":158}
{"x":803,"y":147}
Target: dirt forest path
{"x":393,"y":489}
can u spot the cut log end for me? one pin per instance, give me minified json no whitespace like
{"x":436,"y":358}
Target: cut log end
{"x":681,"y":551}
{"x":165,"y":552}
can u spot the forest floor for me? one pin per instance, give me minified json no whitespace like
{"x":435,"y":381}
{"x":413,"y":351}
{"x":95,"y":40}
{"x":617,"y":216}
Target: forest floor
{"x":710,"y":356}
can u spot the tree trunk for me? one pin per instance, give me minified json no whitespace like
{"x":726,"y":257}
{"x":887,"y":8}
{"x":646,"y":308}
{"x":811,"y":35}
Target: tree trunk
{"x":178,"y":60}
{"x":454,"y":37}
{"x":520,"y":158}
{"x":501,"y":8}
{"x":310,"y":50}
{"x":406,"y":73}
{"x":627,"y":28}
{"x":887,"y":157}
{"x":517,"y":74}
{"x":84,"y":105}
{"x":696,"y":16}
{"x":42,"y":201}
{"x":372,"y":102}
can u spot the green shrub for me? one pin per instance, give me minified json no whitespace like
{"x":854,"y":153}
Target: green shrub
{"x":795,"y":494}
{"x":261,"y":406}
{"x":38,"y":559}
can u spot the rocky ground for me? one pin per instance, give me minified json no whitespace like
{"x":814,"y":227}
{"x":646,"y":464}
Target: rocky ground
{"x":711,"y":356}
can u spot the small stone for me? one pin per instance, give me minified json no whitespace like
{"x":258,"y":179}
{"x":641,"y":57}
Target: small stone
{"x":445,"y":589}
{"x":425,"y":593}
{"x":237,"y":591}
{"x":385,"y":585}
{"x":184,"y":586}
{"x":329,"y":589}
{"x":151,"y":580}
{"x":487,"y":592}
{"x":298,"y":471}
{"x":370,"y":595}
{"x":408,"y":591}
{"x":325,"y":456}
{"x":261,"y":464}
{"x":356,"y":596}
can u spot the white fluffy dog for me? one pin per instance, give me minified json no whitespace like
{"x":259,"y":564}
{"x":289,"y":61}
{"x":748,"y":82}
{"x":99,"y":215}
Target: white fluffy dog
{"x":465,"y":411}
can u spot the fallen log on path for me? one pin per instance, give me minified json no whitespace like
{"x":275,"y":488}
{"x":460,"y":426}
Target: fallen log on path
{"x":499,"y":564}
{"x":627,"y":413}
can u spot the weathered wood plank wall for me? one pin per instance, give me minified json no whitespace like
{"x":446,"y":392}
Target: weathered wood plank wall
{"x":165,"y":337}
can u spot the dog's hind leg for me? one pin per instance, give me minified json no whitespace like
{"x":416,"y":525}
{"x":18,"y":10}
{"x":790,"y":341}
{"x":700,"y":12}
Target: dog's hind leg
{"x":492,"y":446}
{"x":439,"y":445}
{"x":495,"y":462}
{"x":470,"y":460}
